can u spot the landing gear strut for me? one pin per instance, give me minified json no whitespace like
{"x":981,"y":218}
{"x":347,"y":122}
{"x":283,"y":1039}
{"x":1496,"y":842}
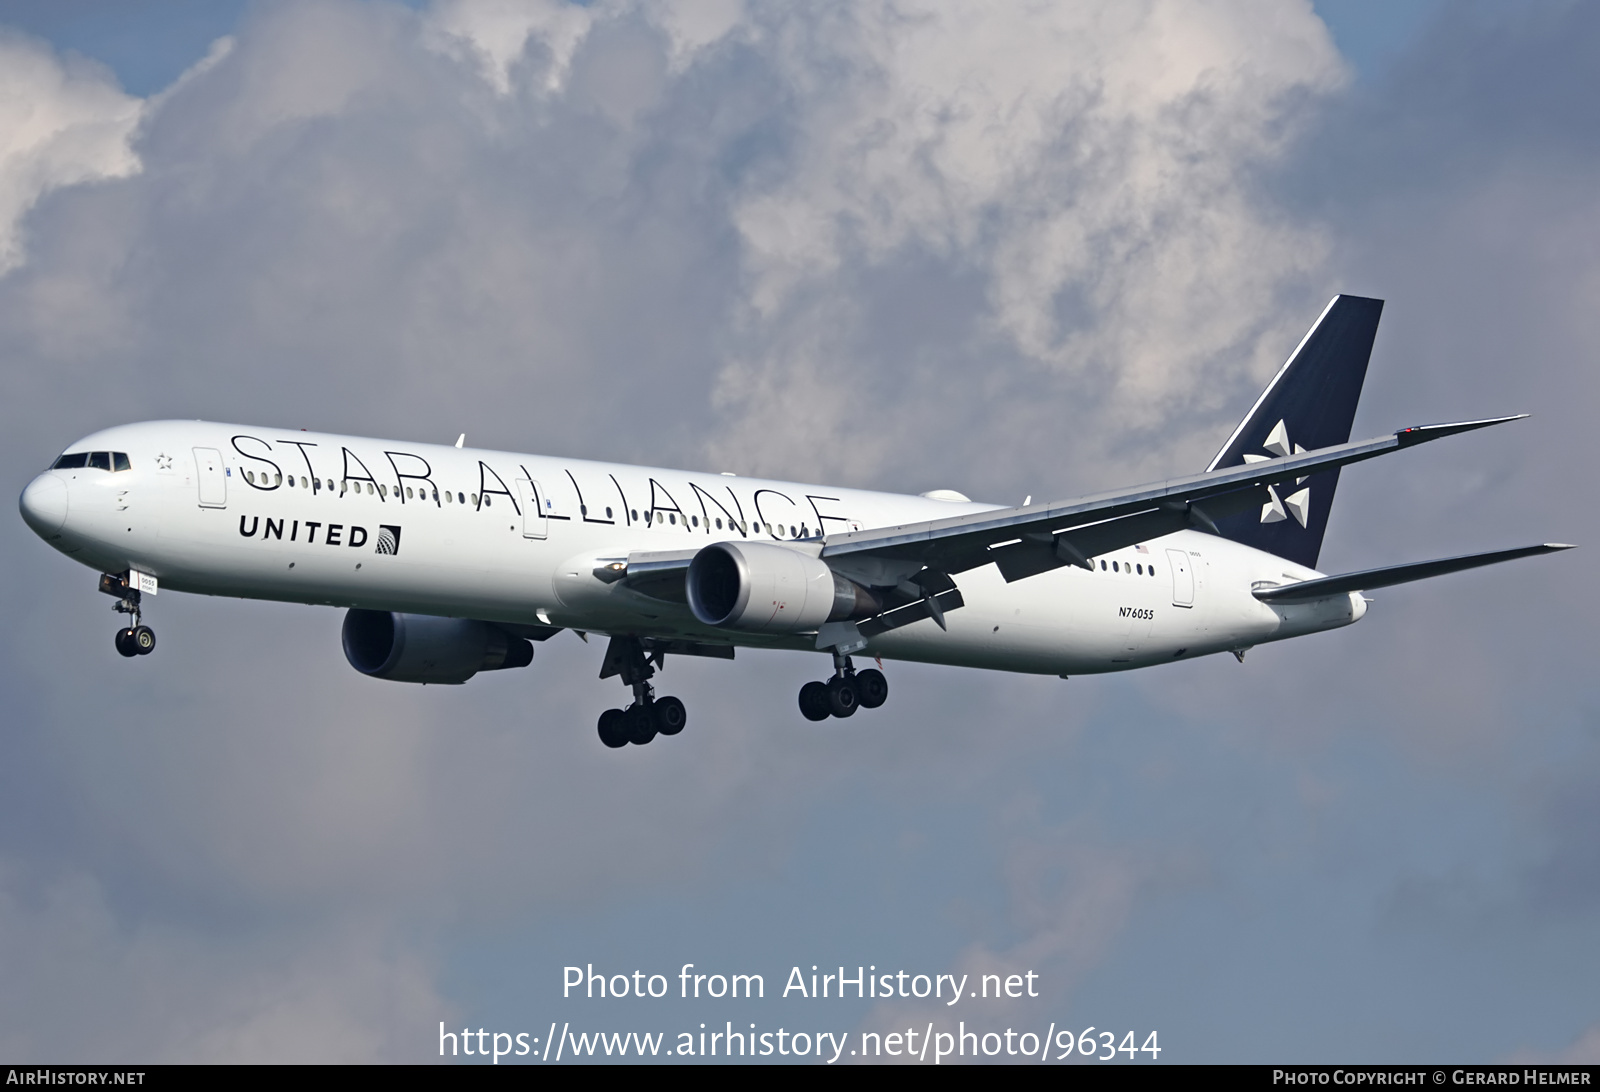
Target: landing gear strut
{"x":137,"y":639}
{"x":648,"y":716}
{"x":846,"y":692}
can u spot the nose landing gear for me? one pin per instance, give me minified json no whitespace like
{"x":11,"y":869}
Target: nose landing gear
{"x":843,"y":694}
{"x":137,"y":639}
{"x":648,"y":716}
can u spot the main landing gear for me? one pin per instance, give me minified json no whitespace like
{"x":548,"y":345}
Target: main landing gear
{"x":137,"y":639}
{"x":846,"y":692}
{"x":648,"y":716}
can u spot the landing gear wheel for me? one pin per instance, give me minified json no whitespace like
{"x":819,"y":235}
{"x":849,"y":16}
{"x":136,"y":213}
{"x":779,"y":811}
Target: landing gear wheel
{"x":640,"y":724}
{"x":670,"y":716}
{"x":872,"y":689}
{"x":144,"y":640}
{"x":814,"y":701}
{"x":612,"y":732}
{"x":842,"y":700}
{"x":125,"y":643}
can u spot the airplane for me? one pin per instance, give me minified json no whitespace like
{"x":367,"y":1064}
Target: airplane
{"x":407,"y":537}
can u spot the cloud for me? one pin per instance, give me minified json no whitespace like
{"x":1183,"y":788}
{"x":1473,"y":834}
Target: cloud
{"x":492,"y":35}
{"x":903,"y":245}
{"x":1069,"y":894}
{"x":1091,"y":171}
{"x":62,"y":122}
{"x":83,"y":981}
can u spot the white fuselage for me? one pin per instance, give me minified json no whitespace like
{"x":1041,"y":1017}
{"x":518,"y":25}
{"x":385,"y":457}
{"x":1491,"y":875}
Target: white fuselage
{"x":504,"y":537}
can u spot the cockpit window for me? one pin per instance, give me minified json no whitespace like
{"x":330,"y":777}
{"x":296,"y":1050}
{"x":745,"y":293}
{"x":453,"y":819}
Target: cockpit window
{"x":94,"y":460}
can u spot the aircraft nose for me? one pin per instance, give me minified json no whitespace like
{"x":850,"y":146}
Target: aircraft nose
{"x":44,"y":505}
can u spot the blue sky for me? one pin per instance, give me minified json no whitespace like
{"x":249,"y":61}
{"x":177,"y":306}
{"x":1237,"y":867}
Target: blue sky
{"x":959,"y":252}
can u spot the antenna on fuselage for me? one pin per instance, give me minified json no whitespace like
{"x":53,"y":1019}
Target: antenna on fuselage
{"x":461,"y":439}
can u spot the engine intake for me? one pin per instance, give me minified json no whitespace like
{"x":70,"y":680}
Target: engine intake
{"x":421,"y":648}
{"x":766,"y":588}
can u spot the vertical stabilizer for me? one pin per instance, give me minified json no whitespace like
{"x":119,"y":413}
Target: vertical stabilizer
{"x":1309,"y":404}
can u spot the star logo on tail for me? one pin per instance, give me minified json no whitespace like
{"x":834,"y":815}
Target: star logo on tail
{"x":1297,"y":504}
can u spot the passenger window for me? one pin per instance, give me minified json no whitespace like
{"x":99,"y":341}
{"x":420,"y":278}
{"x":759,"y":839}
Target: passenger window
{"x":583,"y":510}
{"x":383,"y":490}
{"x":474,"y":500}
{"x":1140,"y":569}
{"x":608,"y":513}
{"x":449,"y":497}
{"x":72,"y":462}
{"x":488,"y":501}
{"x":695,"y":520}
{"x":100,"y":460}
{"x":635,"y":514}
{"x":461,"y":498}
{"x":719,"y":523}
{"x":119,"y":460}
{"x":1114,"y":567}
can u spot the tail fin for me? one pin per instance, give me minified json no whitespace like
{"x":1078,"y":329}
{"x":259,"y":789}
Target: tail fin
{"x":1309,"y":404}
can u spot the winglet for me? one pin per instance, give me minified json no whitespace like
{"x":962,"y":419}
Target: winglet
{"x":1421,"y":434}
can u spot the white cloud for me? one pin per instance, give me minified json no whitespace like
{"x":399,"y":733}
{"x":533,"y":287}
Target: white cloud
{"x":1092,"y":164}
{"x":62,"y":121}
{"x":864,"y":241}
{"x":494,"y":34}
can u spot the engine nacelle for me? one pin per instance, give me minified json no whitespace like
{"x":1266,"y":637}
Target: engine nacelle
{"x":423,"y":649}
{"x":766,"y":588}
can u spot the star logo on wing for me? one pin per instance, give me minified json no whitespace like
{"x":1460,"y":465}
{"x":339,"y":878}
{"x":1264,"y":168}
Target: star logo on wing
{"x":1297,"y":504}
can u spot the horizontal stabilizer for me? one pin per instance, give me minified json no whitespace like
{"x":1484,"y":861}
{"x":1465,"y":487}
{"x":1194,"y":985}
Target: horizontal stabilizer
{"x":1397,"y":574}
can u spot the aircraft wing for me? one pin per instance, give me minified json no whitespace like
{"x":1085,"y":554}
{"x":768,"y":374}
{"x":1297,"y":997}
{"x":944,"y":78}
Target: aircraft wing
{"x":1033,"y":539}
{"x":1369,"y":579}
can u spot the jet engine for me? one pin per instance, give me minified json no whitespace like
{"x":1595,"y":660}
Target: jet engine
{"x":423,"y":649}
{"x":767,"y":588}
